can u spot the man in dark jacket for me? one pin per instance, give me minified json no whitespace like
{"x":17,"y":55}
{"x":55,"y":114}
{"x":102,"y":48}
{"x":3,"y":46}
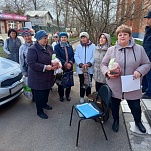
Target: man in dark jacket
{"x":147,"y":46}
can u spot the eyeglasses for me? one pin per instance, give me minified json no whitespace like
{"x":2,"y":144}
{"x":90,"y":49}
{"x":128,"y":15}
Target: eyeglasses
{"x":55,"y":37}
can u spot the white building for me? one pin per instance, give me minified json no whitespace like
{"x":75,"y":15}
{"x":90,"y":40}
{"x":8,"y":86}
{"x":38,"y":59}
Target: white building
{"x":40,"y":18}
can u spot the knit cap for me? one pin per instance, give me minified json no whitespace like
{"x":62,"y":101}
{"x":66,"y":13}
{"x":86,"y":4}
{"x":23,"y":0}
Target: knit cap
{"x":26,"y":33}
{"x":85,"y":34}
{"x":40,"y":34}
{"x":63,"y":34}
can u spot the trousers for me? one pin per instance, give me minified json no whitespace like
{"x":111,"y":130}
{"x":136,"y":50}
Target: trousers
{"x":61,"y":91}
{"x":82,"y":90}
{"x":41,"y":99}
{"x":134,"y":105}
{"x":98,"y":85}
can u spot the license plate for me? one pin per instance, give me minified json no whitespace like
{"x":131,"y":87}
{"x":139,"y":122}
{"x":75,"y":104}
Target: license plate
{"x":15,"y":89}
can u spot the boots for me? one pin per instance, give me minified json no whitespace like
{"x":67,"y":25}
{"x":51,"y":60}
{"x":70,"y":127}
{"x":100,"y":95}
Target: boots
{"x":115,"y":125}
{"x":141,"y":127}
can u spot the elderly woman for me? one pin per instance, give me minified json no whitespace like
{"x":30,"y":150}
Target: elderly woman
{"x":11,"y":45}
{"x":65,"y":54}
{"x":132,"y":60}
{"x":23,"y":52}
{"x":40,"y":71}
{"x":84,"y":58}
{"x":100,"y":51}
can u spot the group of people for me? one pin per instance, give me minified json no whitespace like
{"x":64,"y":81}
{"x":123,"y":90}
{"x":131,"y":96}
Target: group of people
{"x":36,"y":63}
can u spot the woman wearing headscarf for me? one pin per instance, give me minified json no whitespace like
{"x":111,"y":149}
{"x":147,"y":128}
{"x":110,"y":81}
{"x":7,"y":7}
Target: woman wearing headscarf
{"x":41,"y":71}
{"x":100,"y":51}
{"x":11,"y":45}
{"x":65,"y":54}
{"x":84,"y":58}
{"x":131,"y":60}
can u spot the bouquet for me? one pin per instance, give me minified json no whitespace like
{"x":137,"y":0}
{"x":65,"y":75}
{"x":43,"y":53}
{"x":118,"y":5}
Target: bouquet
{"x":114,"y":68}
{"x":55,"y":61}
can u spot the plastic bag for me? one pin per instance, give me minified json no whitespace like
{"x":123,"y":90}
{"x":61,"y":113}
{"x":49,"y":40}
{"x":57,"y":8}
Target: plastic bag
{"x":27,"y":90}
{"x":114,"y":68}
{"x":58,"y":63}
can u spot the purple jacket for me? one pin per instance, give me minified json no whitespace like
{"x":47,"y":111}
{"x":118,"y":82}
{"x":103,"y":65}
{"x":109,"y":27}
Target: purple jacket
{"x":131,"y":58}
{"x":37,"y":58}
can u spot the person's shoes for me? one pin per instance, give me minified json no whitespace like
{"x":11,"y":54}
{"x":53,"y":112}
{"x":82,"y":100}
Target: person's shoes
{"x":42,"y":115}
{"x":144,"y":96}
{"x":81,"y":100}
{"x":47,"y":107}
{"x":141,"y":127}
{"x":68,"y":98}
{"x":115,"y":126}
{"x":61,"y":99}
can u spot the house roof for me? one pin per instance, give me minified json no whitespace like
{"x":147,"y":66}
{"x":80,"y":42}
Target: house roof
{"x":37,"y":13}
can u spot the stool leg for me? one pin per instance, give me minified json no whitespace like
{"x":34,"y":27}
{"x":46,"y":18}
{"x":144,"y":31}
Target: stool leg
{"x":103,"y":128}
{"x":71,"y":115}
{"x":78,"y":132}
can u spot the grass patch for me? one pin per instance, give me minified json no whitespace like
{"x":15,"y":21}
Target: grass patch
{"x":2,"y":53}
{"x":113,"y":40}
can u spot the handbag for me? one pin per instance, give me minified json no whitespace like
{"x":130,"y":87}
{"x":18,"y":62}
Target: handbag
{"x":67,"y":79}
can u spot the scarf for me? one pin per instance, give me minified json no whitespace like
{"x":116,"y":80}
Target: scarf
{"x":86,"y":44}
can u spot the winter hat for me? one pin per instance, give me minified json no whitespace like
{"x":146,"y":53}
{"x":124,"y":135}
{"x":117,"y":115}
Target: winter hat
{"x":40,"y":34}
{"x":26,"y":33}
{"x":63,"y":34}
{"x":85,"y":34}
{"x":148,"y":15}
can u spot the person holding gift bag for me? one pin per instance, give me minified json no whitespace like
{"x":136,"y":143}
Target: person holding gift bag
{"x":64,"y":52}
{"x":125,"y":58}
{"x":41,"y":71}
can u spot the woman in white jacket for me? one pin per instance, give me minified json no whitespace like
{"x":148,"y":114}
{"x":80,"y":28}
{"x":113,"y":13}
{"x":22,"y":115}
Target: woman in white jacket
{"x":84,"y":58}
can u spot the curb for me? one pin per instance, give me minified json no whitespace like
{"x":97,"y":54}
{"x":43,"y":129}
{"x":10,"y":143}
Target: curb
{"x":147,"y":112}
{"x":126,"y":130}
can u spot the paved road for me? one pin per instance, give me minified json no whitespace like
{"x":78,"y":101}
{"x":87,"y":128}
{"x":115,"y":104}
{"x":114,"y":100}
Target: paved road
{"x":22,"y":130}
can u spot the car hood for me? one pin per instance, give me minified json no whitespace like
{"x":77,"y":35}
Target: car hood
{"x":7,"y":65}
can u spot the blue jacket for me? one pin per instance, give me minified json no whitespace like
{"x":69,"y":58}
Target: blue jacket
{"x":83,"y":55}
{"x":61,"y":55}
{"x":37,"y":58}
{"x":147,"y":42}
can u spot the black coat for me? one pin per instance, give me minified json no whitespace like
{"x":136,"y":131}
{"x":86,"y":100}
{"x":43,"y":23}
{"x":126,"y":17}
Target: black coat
{"x":147,"y":41}
{"x":37,"y":58}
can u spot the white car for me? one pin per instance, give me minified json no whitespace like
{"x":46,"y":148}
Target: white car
{"x":11,"y":83}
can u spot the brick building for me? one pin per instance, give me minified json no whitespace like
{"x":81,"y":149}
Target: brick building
{"x":132,"y":12}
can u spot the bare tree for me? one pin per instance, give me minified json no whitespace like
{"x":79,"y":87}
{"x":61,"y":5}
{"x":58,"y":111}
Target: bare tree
{"x":19,"y":6}
{"x":94,"y":15}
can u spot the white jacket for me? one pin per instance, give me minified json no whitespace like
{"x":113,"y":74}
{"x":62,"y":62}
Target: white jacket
{"x":84,"y":54}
